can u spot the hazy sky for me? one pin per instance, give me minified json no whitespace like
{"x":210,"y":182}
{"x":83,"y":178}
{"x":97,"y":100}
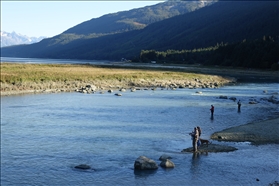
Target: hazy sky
{"x":50,"y":18}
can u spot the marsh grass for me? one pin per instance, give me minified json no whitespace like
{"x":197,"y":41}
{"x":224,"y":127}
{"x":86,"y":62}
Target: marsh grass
{"x":14,"y":73}
{"x":18,"y":76}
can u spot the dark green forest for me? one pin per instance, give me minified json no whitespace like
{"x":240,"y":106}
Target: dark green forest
{"x":259,"y":54}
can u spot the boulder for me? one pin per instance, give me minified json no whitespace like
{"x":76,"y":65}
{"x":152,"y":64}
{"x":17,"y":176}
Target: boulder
{"x":271,"y":99}
{"x":92,"y":87}
{"x":144,"y":163}
{"x":164,"y":157}
{"x":223,"y":97}
{"x":167,"y":164}
{"x":233,"y":98}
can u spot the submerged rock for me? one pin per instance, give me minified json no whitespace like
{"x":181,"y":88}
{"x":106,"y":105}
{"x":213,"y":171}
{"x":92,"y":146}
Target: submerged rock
{"x":223,"y":97}
{"x":164,"y":157}
{"x":212,"y":148}
{"x":83,"y":166}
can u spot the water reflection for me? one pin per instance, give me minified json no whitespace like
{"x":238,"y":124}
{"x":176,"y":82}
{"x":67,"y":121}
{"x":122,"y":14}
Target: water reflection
{"x":195,"y":162}
{"x":144,"y":173}
{"x":195,"y":157}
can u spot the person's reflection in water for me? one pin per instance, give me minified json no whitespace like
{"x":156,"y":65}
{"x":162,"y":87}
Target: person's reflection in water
{"x":195,"y":160}
{"x":195,"y":166}
{"x":195,"y":157}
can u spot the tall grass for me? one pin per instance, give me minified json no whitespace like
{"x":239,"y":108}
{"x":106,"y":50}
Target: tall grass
{"x":14,"y":73}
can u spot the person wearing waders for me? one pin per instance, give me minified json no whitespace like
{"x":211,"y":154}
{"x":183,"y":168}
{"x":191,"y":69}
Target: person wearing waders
{"x":212,"y":110}
{"x":199,"y":142}
{"x":239,"y":105}
{"x":195,"y":138}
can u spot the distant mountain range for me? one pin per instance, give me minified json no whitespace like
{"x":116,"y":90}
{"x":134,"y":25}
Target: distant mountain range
{"x":9,"y":39}
{"x":165,"y":27}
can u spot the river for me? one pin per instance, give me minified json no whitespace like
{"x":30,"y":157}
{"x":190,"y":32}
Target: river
{"x":44,"y":136}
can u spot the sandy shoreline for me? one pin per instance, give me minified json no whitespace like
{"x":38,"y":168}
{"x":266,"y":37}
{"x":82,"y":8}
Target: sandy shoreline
{"x":262,"y":132}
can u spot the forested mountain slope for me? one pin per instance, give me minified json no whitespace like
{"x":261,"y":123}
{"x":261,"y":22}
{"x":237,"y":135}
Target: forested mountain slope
{"x":136,"y":18}
{"x":222,"y":22}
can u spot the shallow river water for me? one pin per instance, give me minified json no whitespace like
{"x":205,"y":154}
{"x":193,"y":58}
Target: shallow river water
{"x":44,"y":136}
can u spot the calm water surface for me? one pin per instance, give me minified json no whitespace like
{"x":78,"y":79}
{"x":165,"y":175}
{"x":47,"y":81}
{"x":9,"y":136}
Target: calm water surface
{"x":44,"y":136}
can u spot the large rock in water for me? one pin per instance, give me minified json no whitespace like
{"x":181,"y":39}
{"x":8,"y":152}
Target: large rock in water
{"x":144,"y":163}
{"x":167,"y":164}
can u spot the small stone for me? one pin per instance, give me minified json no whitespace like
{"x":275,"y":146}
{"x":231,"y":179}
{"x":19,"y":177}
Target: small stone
{"x":118,"y":94}
{"x":82,"y":166}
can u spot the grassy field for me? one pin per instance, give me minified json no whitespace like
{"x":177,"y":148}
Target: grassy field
{"x":19,"y":73}
{"x":18,"y":76}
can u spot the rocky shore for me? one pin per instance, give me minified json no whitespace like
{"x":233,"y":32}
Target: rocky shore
{"x":262,"y":132}
{"x":102,"y":86}
{"x":258,"y":133}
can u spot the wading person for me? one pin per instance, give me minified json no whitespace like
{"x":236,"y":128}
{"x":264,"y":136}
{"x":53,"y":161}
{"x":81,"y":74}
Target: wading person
{"x":199,"y":129}
{"x":239,"y":105}
{"x":212,"y":110}
{"x":195,"y":138}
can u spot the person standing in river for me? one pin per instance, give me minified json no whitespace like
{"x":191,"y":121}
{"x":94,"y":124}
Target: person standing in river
{"x":199,"y":129}
{"x":239,"y":105}
{"x":212,"y":110}
{"x":195,"y":138}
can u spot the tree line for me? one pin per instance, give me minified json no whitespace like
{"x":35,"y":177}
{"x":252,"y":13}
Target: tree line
{"x":259,"y":54}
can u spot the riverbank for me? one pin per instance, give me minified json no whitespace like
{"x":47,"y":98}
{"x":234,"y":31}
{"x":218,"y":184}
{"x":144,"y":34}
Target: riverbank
{"x":51,"y":78}
{"x":262,"y":132}
{"x":258,"y":133}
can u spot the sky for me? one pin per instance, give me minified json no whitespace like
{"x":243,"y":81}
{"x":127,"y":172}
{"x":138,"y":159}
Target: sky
{"x":50,"y":18}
